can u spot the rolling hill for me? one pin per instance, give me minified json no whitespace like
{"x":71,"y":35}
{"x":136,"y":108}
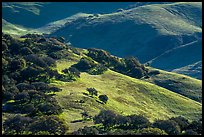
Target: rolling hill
{"x":154,"y":32}
{"x":125,"y":68}
{"x":126,"y":95}
{"x":45,"y":12}
{"x":12,"y":29}
{"x":194,"y":70}
{"x":161,"y":31}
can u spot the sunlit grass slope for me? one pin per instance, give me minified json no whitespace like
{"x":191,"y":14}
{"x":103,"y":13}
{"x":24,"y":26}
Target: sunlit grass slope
{"x":12,"y":29}
{"x":126,"y":96}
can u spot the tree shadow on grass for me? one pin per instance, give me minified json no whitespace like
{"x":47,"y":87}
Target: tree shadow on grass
{"x":75,"y":121}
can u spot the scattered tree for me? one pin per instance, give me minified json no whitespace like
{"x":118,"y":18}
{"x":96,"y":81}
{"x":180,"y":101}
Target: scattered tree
{"x":103,"y":98}
{"x":92,"y":91}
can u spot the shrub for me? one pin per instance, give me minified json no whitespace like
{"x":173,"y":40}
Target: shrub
{"x":4,"y":46}
{"x":103,"y":98}
{"x":136,"y":72}
{"x":169,"y":126}
{"x":4,"y":65}
{"x":49,"y":61}
{"x":33,"y":58}
{"x":49,"y":108}
{"x":66,"y":78}
{"x":85,"y":64}
{"x":55,"y":89}
{"x":72,"y":71}
{"x":181,"y":121}
{"x":51,"y":124}
{"x":40,"y":86}
{"x":190,"y":132}
{"x":132,"y":62}
{"x":14,"y":46}
{"x":121,"y":132}
{"x":16,"y":125}
{"x":92,"y":91}
{"x":129,"y":66}
{"x":61,"y":39}
{"x":106,"y":117}
{"x":25,"y":86}
{"x":151,"y":131}
{"x":31,"y":74}
{"x":86,"y":131}
{"x":196,"y":126}
{"x":10,"y":88}
{"x":29,"y":108}
{"x":26,"y":51}
{"x":97,"y":70}
{"x":137,"y":122}
{"x":102,"y":57}
{"x":17,"y":64}
{"x":22,"y":97}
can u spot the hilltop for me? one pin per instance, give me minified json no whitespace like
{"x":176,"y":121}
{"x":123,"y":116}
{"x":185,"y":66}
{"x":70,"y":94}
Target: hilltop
{"x":160,"y":34}
{"x":166,"y":32}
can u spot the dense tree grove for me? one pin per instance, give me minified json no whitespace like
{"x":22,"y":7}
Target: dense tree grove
{"x":45,"y":125}
{"x":27,"y":69}
{"x":129,"y":66}
{"x":90,"y":66}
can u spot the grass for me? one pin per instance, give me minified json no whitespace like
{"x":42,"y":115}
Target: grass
{"x":9,"y":28}
{"x":126,"y":96}
{"x":182,"y":84}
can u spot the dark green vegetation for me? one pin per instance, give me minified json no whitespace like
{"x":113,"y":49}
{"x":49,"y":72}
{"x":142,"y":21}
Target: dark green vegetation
{"x":27,"y":70}
{"x":166,"y":31}
{"x":54,"y":88}
{"x":110,"y":123}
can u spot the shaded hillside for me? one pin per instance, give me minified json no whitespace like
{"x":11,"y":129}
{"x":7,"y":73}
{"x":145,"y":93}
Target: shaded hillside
{"x":179,"y":57}
{"x":184,"y":85}
{"x":150,"y":29}
{"x":43,"y":13}
{"x":194,"y":70}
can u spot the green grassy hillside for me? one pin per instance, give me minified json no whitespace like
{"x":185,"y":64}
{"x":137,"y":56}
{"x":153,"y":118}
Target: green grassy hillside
{"x":12,"y":29}
{"x":126,"y":96}
{"x":182,"y":84}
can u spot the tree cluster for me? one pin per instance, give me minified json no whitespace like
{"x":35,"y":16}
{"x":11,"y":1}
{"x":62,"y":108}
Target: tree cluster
{"x":45,"y":125}
{"x":94,"y":92}
{"x":129,"y":66}
{"x":27,"y":69}
{"x":90,"y":66}
{"x":115,"y":124}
